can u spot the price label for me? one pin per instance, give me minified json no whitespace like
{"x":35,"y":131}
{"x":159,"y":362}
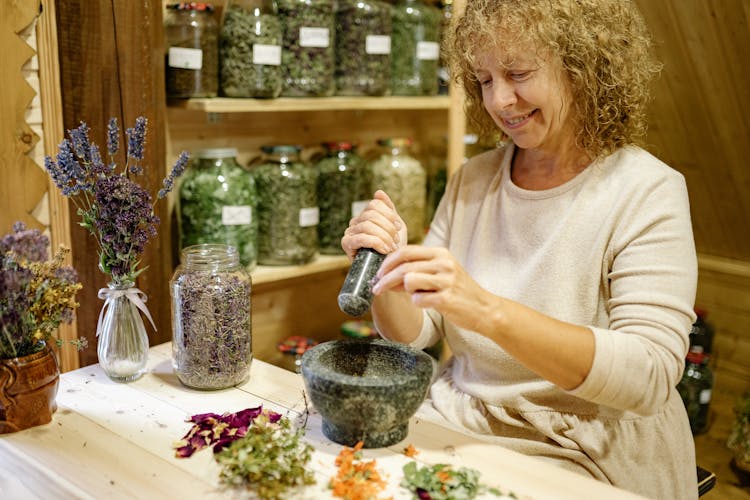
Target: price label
{"x":313,"y":37}
{"x":704,"y":397}
{"x":358,"y":206}
{"x":428,"y":51}
{"x":236,"y":215}
{"x":378,"y":44}
{"x":309,"y":216}
{"x":181,"y":57}
{"x":270,"y":55}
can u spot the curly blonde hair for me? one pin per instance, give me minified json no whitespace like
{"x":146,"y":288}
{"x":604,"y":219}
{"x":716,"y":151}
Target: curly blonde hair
{"x":605,"y":50}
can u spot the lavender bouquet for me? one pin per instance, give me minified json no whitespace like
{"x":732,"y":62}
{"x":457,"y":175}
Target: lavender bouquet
{"x":37,"y":294}
{"x":114,"y":208}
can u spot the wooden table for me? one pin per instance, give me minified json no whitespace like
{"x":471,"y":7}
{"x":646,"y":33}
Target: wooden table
{"x":111,"y":440}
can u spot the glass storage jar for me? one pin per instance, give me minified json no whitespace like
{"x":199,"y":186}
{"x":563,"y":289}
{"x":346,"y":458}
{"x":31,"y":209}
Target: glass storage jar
{"x":192,"y":62}
{"x":211,"y":318}
{"x":403,"y":178}
{"x":363,"y":48}
{"x":307,"y":57}
{"x":287,"y":207}
{"x":344,"y":188}
{"x":415,"y":48}
{"x":217,"y":202}
{"x":250,"y":49}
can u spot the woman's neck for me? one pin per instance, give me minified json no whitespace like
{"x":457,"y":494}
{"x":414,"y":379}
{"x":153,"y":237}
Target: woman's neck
{"x":537,"y":170}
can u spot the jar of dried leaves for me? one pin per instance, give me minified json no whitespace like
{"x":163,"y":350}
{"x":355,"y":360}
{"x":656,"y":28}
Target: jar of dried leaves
{"x":211,"y":318}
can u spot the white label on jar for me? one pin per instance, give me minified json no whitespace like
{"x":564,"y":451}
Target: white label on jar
{"x":309,"y":216}
{"x":358,"y":206}
{"x":180,"y":57}
{"x":267,"y":54}
{"x":428,"y":51}
{"x":237,"y":215}
{"x":378,"y":44}
{"x":313,"y":37}
{"x":704,"y":397}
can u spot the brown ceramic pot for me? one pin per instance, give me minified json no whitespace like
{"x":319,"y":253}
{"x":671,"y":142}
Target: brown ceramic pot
{"x":28,"y":387}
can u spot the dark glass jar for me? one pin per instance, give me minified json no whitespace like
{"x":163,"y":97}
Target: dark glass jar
{"x":211,"y":318}
{"x":192,"y":59}
{"x":403,"y":178}
{"x":217,"y":203}
{"x":446,"y":18}
{"x":343,"y":192}
{"x":695,"y":388}
{"x":414,"y":48}
{"x":702,"y":333}
{"x":251,"y":50}
{"x":287,"y":207}
{"x":308,"y":53}
{"x":363,"y":48}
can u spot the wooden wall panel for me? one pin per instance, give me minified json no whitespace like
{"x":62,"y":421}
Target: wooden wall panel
{"x":111,"y":64}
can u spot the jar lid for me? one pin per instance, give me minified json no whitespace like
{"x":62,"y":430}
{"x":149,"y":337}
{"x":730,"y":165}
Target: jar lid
{"x":696,"y":357}
{"x":191,"y":6}
{"x":339,"y":145}
{"x":296,"y":344}
{"x":397,"y":142}
{"x":216,"y":153}
{"x":281,"y":148}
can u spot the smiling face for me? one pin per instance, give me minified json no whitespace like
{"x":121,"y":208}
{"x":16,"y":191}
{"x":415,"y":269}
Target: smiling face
{"x":527,"y":97}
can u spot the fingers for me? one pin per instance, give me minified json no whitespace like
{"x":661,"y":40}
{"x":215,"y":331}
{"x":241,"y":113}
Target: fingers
{"x":377,"y":227}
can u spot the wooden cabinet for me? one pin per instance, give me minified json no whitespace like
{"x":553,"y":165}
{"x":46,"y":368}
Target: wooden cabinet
{"x":301,"y":300}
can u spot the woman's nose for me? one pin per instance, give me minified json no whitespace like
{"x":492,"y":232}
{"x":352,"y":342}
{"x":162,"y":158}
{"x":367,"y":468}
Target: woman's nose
{"x":501,"y":95}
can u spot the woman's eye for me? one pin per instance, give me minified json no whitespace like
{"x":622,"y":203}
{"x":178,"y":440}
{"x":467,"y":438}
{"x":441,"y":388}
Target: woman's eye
{"x":485,"y":82}
{"x":520,"y":75}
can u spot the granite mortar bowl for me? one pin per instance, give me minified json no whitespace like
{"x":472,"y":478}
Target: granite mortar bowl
{"x":366,"y":390}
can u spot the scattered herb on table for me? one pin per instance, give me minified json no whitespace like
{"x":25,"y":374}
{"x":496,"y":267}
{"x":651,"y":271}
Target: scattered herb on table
{"x":269,"y":459}
{"x":443,"y":482}
{"x":242,"y":75}
{"x":212,"y":338}
{"x":212,"y":429}
{"x":355,"y":478}
{"x":411,"y":451}
{"x":307,"y":56}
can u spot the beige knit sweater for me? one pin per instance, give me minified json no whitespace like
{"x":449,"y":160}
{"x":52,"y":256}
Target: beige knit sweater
{"x":611,"y":249}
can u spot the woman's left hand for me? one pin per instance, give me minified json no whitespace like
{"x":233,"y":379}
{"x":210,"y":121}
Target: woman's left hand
{"x":434,"y":279}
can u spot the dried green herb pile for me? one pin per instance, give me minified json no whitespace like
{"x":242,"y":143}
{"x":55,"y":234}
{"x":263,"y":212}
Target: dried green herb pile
{"x":256,"y":449}
{"x":443,"y":482}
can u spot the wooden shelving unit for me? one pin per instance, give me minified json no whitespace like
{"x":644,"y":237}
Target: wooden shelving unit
{"x":282,"y":104}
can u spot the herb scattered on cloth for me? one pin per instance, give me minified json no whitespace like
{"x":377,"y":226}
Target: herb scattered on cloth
{"x":356,"y":479}
{"x":411,"y":451}
{"x":269,"y":459}
{"x":443,"y":482}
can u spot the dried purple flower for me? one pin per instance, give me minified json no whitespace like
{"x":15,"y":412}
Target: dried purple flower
{"x":29,"y":244}
{"x":113,"y":137}
{"x":177,"y":170}
{"x":136,"y":143}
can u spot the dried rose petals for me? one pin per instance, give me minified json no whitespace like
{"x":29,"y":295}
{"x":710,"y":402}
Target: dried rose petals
{"x":212,"y":429}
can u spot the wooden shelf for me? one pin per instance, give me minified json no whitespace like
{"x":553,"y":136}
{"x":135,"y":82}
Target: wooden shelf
{"x":238,"y":105}
{"x":322,"y":263}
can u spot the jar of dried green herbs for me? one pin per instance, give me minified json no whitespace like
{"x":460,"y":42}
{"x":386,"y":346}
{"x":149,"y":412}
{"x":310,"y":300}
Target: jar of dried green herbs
{"x":344,"y":188}
{"x":363,"y":48}
{"x":287,"y":207}
{"x":192,"y":59}
{"x":217,"y":203}
{"x":211,"y":318}
{"x":403,"y":178}
{"x":307,"y":57}
{"x":250,"y":49}
{"x":415,"y":48}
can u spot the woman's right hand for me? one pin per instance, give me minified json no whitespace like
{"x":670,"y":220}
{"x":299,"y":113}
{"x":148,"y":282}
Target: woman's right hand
{"x":378,"y":227}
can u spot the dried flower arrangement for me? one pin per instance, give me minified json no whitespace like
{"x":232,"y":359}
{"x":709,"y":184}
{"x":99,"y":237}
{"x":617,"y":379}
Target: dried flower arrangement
{"x":114,"y":208}
{"x":37,"y":294}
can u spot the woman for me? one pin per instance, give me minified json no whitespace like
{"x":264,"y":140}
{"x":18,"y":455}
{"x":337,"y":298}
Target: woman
{"x":560,"y":268}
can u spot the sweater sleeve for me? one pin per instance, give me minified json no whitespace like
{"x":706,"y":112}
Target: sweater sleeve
{"x":652,"y":275}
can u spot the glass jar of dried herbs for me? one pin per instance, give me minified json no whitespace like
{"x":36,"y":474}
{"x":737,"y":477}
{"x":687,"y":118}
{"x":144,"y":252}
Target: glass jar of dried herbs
{"x":403,"y":178}
{"x":344,"y":188}
{"x":307,"y":57}
{"x":250,"y":49}
{"x":211,"y":318}
{"x":363,"y":48}
{"x":415,"y":48}
{"x":217,"y":203}
{"x":287,"y":207}
{"x":192,"y":59}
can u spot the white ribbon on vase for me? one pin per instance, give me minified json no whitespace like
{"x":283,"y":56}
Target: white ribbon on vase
{"x":135,"y":295}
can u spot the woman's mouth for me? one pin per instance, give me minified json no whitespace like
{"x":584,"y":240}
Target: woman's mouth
{"x":518,"y":121}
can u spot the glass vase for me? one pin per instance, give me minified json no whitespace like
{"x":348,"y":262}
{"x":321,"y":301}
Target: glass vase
{"x":122,"y":339}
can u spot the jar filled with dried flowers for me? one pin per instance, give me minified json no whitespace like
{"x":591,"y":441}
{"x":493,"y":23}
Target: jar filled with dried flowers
{"x":211,"y":318}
